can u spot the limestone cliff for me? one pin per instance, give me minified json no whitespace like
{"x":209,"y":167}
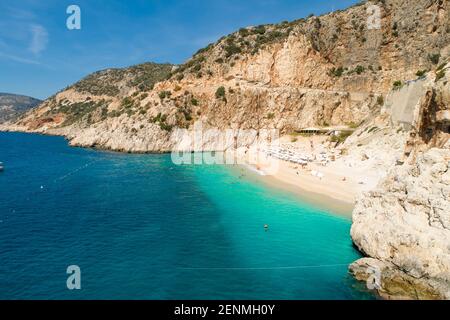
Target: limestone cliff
{"x":404,"y":224}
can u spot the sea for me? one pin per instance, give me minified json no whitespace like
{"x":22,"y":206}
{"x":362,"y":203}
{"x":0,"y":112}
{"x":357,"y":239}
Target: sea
{"x":140,"y":227}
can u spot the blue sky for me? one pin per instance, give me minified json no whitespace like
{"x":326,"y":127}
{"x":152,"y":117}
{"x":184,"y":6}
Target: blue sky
{"x":39,"y":55}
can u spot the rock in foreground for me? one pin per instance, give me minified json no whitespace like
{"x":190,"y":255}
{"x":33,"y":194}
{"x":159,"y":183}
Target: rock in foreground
{"x":404,"y":226}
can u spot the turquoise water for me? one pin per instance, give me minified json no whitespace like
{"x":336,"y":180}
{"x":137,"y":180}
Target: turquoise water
{"x":140,"y":227}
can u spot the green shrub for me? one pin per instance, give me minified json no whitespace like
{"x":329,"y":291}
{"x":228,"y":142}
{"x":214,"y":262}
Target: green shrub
{"x":359,"y":69}
{"x":380,"y":100}
{"x":157,"y":118}
{"x":397,"y":85}
{"x":259,"y":29}
{"x":232,"y":49}
{"x":194,"y":102}
{"x":337,"y":72}
{"x":341,"y":137}
{"x":439,"y":75}
{"x":164,"y":94}
{"x":434,"y":58}
{"x":441,"y":66}
{"x":160,"y":118}
{"x":244,"y":32}
{"x":270,"y":116}
{"x":220,"y":92}
{"x":164,"y":126}
{"x":187,"y":115}
{"x":273,"y":35}
{"x":197,"y":67}
{"x":207,"y":48}
{"x":353,"y":125}
{"x":421,"y":73}
{"x":127,"y":102}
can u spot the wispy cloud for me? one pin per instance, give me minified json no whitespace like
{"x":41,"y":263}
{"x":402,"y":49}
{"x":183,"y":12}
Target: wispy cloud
{"x":18,"y":59}
{"x":39,"y":39}
{"x":19,"y":13}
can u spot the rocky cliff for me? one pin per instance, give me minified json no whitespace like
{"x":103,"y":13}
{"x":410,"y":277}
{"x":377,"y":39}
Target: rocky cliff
{"x":403,"y":226}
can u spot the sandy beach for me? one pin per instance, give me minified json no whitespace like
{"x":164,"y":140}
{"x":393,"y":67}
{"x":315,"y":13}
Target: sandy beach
{"x":335,"y":184}
{"x":307,"y":194}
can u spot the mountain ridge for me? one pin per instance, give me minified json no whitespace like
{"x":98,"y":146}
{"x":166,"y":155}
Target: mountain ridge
{"x":13,"y":106}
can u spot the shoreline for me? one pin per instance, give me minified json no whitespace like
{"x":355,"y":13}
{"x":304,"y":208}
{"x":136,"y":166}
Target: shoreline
{"x":312,"y":196}
{"x":334,"y":184}
{"x":329,"y":193}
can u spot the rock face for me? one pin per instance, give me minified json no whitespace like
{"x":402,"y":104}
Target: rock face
{"x":404,"y":224}
{"x":12,"y":106}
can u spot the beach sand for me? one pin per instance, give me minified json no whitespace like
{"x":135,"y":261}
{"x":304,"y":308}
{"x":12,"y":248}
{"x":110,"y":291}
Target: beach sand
{"x":310,"y":196}
{"x":343,"y":179}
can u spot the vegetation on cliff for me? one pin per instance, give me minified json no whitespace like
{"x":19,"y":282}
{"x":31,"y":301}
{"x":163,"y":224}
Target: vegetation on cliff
{"x":112,"y":82}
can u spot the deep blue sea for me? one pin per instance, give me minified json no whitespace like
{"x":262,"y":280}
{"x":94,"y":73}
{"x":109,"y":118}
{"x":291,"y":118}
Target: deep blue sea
{"x":140,"y":227}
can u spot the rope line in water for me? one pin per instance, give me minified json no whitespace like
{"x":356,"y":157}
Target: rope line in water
{"x":76,"y":170}
{"x":269,"y":268}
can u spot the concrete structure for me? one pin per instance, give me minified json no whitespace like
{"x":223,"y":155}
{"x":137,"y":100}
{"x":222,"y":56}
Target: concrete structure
{"x":326,"y":131}
{"x":401,"y":103}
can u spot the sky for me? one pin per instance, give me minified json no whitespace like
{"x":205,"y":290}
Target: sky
{"x":39,"y":55}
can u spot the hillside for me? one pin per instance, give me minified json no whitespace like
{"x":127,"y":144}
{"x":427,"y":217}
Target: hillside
{"x":12,"y":106}
{"x":327,"y":70}
{"x":97,"y":97}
